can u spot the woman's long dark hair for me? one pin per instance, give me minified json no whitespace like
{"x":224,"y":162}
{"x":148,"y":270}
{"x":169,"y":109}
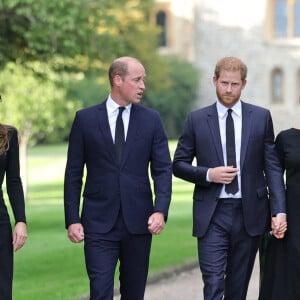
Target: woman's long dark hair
{"x":4,"y":142}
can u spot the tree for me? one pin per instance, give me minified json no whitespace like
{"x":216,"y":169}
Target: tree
{"x":175,"y":100}
{"x":78,"y":38}
{"x":38,"y":30}
{"x":36,"y":106}
{"x":78,"y":35}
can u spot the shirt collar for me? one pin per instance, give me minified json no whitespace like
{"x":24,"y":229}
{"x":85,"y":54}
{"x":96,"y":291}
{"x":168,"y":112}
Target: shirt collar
{"x":112,"y":106}
{"x":222,"y":110}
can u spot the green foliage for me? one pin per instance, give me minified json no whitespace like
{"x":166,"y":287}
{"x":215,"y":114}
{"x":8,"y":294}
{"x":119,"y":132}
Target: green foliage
{"x":174,"y":101}
{"x":61,"y":50}
{"x":91,"y":89}
{"x":63,"y":32}
{"x":32,"y":30}
{"x":36,"y":105}
{"x":55,"y":56}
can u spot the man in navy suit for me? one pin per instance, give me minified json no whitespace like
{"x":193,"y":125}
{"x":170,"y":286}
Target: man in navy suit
{"x":229,"y":224}
{"x":118,"y":216}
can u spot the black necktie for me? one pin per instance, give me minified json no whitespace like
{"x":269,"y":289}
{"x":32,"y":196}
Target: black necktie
{"x":119,"y":134}
{"x":230,"y":151}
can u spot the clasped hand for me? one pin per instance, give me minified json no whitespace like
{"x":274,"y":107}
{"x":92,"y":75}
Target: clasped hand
{"x":223,"y":174}
{"x":156,"y":223}
{"x":279,"y":225}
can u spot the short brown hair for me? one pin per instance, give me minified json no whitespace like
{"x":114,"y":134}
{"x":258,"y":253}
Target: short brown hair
{"x":231,"y":64}
{"x":118,"y":67}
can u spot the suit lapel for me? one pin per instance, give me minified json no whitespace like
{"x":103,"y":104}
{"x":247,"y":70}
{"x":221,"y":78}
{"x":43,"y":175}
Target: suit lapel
{"x":246,"y":129}
{"x":132,"y":131}
{"x":213,"y":124}
{"x":105,"y":130}
{"x":103,"y":123}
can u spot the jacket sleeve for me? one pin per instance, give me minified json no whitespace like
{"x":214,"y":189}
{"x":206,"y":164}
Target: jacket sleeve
{"x":185,"y":153}
{"x":13,"y":180}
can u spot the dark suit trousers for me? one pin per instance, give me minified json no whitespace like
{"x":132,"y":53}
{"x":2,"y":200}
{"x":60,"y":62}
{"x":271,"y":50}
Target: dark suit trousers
{"x":6,"y":262}
{"x":102,"y":252}
{"x":227,"y":253}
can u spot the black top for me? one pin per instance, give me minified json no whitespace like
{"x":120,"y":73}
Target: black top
{"x":282,"y":257}
{"x":10,"y":168}
{"x":288,"y":145}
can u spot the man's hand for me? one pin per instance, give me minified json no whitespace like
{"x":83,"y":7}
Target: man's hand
{"x":224,"y":174}
{"x":279,"y":225}
{"x":156,"y":223}
{"x":76,"y":233}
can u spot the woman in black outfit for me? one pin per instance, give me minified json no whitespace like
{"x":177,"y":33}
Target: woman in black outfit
{"x":10,"y":241}
{"x":281,"y":270}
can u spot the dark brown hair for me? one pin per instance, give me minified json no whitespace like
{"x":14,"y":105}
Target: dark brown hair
{"x":4,"y":142}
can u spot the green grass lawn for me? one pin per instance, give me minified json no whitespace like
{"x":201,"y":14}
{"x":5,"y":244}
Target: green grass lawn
{"x":50,"y":266}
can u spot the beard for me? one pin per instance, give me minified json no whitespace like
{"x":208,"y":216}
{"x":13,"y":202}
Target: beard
{"x":228,"y":99}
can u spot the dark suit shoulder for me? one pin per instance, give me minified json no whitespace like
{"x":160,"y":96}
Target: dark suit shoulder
{"x":254,"y":107}
{"x":291,"y":132}
{"x":144,"y":109}
{"x":89,"y":109}
{"x":136,"y":107}
{"x":204,"y":111}
{"x":145,"y":114}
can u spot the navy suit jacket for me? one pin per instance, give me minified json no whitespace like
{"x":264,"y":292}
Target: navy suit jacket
{"x":110,"y":185}
{"x":261,"y":177}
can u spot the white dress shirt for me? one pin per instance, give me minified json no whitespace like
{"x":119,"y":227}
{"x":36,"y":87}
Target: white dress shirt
{"x":112,"y":112}
{"x":237,"y":119}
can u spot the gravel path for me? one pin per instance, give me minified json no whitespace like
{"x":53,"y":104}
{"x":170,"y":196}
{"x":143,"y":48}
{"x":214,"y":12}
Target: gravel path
{"x":187,"y":285}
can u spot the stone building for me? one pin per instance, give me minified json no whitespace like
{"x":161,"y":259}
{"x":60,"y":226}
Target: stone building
{"x":265,"y":34}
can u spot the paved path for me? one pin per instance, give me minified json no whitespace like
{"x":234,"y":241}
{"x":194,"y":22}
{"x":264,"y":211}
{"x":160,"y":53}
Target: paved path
{"x":187,"y":285}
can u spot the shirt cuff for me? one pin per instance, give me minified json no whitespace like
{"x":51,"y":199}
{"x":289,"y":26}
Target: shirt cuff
{"x":207,"y":176}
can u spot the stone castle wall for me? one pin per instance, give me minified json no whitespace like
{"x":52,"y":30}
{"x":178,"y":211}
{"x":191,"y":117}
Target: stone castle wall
{"x":203,"y":31}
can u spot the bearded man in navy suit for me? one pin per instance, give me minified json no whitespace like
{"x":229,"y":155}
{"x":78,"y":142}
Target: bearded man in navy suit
{"x":233,"y":201}
{"x":119,"y":215}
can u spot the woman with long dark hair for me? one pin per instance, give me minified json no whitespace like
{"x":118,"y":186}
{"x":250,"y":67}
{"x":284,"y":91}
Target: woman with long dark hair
{"x":11,"y":240}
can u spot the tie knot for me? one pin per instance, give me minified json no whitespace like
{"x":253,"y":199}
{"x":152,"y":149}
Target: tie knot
{"x":121,"y":109}
{"x":229,"y":111}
